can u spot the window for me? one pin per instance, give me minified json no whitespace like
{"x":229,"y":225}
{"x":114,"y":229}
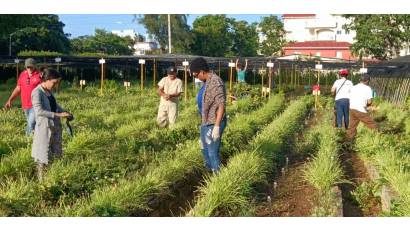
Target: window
{"x":339,"y":54}
{"x":339,"y":32}
{"x":347,"y":32}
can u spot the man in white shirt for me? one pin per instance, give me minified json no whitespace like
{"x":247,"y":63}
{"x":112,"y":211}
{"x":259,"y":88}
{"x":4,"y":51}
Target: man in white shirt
{"x":360,"y":97}
{"x":341,"y":90}
{"x":170,"y":88}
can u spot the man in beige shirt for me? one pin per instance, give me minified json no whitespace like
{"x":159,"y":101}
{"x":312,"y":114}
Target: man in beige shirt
{"x":170,"y":88}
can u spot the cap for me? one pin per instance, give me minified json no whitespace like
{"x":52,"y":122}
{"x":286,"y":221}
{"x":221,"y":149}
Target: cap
{"x":171,"y":70}
{"x":344,"y":72}
{"x":30,"y":62}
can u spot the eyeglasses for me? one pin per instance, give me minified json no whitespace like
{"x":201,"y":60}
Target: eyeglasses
{"x":29,"y":67}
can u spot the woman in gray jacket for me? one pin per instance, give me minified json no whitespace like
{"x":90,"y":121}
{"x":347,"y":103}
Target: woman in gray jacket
{"x":47,"y":141}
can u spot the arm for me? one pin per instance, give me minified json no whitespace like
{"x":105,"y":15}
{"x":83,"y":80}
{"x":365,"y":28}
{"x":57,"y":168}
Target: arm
{"x":219,"y":114}
{"x":246,"y":64}
{"x":236,"y":65}
{"x":13,"y":96}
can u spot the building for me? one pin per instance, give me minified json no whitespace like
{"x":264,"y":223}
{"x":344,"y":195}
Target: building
{"x":142,"y":47}
{"x":317,"y":35}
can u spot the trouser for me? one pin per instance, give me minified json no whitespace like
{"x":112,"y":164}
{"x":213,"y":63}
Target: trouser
{"x":342,"y":111}
{"x":31,"y":121}
{"x":355,"y":118}
{"x":210,"y":147}
{"x":167,"y":114}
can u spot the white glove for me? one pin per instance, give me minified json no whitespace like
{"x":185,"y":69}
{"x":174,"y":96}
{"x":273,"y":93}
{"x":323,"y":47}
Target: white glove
{"x":215,"y":133}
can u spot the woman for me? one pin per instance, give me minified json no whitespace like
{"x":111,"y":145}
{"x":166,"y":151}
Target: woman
{"x":48,"y":131}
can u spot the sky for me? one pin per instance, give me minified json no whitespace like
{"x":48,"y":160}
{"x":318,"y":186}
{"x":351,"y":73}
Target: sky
{"x":85,"y":24}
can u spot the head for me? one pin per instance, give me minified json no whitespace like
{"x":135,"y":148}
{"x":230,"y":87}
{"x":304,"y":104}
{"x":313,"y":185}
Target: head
{"x":344,"y":73}
{"x":49,"y":78}
{"x":365,"y":79}
{"x":199,"y":68}
{"x":172,"y":72}
{"x":30,"y":65}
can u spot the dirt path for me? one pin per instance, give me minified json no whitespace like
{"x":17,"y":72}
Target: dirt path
{"x":292,"y":195}
{"x":355,"y":171}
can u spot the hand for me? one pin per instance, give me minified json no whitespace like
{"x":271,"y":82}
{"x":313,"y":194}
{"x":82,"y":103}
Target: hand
{"x":167,"y":97}
{"x":7,"y":105}
{"x":215,"y":133}
{"x":63,"y":114}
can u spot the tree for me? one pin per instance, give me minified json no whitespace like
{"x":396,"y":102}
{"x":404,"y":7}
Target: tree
{"x":33,"y":32}
{"x":212,"y":36}
{"x":103,"y":42}
{"x":379,"y":35}
{"x":272,"y":29}
{"x":157,"y":25}
{"x":245,"y":39}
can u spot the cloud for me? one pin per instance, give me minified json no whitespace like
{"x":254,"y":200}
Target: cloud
{"x":119,"y":22}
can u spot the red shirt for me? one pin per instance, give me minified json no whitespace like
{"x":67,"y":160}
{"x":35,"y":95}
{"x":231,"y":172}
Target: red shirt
{"x":27,"y":84}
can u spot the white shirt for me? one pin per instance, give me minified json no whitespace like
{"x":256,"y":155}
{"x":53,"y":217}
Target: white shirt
{"x":359,"y":94}
{"x":171,"y":87}
{"x":345,"y":90}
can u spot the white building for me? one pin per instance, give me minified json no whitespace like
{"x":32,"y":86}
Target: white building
{"x":142,"y":47}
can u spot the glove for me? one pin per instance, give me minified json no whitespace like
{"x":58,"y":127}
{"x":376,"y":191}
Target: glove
{"x":215,"y":133}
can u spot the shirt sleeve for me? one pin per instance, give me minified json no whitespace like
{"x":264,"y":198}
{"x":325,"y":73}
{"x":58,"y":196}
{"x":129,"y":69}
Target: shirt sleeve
{"x":161,"y":83}
{"x":369,"y":94}
{"x":219,"y":93}
{"x":180,"y":88}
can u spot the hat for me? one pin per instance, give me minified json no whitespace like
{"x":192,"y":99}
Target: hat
{"x":171,"y":70}
{"x":344,"y":72}
{"x":365,"y":77}
{"x":199,"y":64}
{"x":30,"y":62}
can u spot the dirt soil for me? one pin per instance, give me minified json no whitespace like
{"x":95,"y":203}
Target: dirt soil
{"x":356,"y":172}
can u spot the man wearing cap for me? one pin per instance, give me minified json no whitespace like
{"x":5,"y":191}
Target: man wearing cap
{"x":170,"y":88}
{"x":28,"y":80}
{"x":360,"y":97}
{"x":341,"y":90}
{"x":211,"y":101}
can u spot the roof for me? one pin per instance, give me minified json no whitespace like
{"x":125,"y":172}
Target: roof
{"x":318,"y":45}
{"x":298,"y":15}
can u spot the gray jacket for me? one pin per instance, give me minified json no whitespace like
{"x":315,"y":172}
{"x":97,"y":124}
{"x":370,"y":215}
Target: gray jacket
{"x":44,"y":123}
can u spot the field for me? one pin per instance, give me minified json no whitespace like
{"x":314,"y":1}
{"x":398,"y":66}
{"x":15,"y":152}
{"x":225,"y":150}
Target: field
{"x":280,"y":158}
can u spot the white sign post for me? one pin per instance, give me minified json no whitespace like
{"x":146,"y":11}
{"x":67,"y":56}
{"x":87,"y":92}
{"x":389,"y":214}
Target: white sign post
{"x":102,"y":62}
{"x":185,"y":64}
{"x":142,"y":63}
{"x":363,"y":70}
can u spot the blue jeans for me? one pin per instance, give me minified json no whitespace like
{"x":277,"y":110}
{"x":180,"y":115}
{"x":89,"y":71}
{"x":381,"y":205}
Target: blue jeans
{"x":342,"y":110}
{"x":31,"y":121}
{"x":211,"y":148}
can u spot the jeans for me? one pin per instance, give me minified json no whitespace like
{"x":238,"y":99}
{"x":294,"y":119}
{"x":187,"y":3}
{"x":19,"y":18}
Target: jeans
{"x":210,"y":148}
{"x":342,"y":110}
{"x":31,"y":121}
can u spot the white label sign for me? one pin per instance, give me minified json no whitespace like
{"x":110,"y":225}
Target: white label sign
{"x":127,"y":83}
{"x":58,"y":59}
{"x":231,"y":64}
{"x":102,"y":61}
{"x":318,"y":66}
{"x":16,"y":61}
{"x":82,"y":82}
{"x":185,"y":63}
{"x":141,"y":61}
{"x":363,"y":70}
{"x":270,"y":64}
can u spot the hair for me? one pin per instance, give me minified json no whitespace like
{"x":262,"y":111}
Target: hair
{"x":365,"y":77}
{"x":49,"y":74}
{"x":199,"y":64}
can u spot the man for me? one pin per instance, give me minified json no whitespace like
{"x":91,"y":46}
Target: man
{"x":28,"y":80}
{"x":341,"y":90}
{"x":241,"y":72}
{"x":170,"y":88}
{"x":360,"y":97}
{"x":211,"y":100}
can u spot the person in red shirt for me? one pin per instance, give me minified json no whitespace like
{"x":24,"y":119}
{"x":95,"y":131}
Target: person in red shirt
{"x":28,"y":80}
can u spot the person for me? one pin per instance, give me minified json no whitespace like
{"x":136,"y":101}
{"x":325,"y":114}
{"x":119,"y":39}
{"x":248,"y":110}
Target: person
{"x":47,"y":140}
{"x":241,"y":72}
{"x":341,"y":90}
{"x":211,"y":101}
{"x":360,"y":98}
{"x":28,"y":80}
{"x":170,"y":88}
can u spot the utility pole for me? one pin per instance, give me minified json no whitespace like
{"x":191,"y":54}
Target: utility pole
{"x":169,"y":34}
